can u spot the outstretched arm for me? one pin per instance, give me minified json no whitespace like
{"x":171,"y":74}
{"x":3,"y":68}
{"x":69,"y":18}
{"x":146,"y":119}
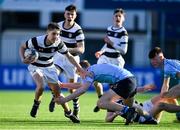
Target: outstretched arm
{"x":84,"y":87}
{"x":147,"y":87}
{"x":70,"y":85}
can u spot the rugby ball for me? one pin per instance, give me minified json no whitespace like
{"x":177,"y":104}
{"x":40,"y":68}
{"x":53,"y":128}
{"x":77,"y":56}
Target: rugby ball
{"x":32,"y":54}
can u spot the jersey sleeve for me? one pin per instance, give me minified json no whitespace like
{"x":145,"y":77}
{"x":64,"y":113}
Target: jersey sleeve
{"x":62,"y":48}
{"x":88,"y":79}
{"x":29,"y":43}
{"x":79,"y":35}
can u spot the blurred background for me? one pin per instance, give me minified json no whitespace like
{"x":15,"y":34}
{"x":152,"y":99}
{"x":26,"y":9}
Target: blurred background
{"x":149,"y":23}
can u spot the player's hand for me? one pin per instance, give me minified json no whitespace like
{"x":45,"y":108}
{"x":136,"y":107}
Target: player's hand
{"x":98,"y":54}
{"x":107,"y":40}
{"x":149,"y":87}
{"x":27,"y":60}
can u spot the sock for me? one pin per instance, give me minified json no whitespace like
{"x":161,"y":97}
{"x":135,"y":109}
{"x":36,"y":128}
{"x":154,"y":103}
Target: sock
{"x":76,"y":104}
{"x":99,"y":96}
{"x":68,"y":112}
{"x":52,"y":93}
{"x":148,"y":117}
{"x":36,"y":102}
{"x":124,"y":110}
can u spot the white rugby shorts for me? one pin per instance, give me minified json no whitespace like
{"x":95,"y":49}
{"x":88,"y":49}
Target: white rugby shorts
{"x":68,"y":68}
{"x":49,"y":74}
{"x":115,"y":61}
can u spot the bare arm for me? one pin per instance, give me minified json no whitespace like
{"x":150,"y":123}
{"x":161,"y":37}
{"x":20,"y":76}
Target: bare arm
{"x":73,"y":61}
{"x":79,"y":49}
{"x":84,"y":87}
{"x":147,"y":87}
{"x":70,"y":85}
{"x":165,"y":86}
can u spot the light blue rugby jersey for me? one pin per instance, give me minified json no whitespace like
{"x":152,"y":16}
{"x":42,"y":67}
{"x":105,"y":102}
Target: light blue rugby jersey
{"x":171,"y":67}
{"x":107,"y":73}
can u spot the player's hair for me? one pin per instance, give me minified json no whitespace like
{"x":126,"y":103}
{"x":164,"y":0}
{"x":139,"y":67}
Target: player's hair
{"x":71,"y":8}
{"x":155,"y":51}
{"x":52,"y":26}
{"x":119,"y":10}
{"x":84,"y":64}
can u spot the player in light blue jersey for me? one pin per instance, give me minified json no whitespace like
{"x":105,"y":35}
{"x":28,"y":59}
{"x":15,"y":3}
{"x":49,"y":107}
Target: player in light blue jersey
{"x":123,"y":86}
{"x":171,"y":69}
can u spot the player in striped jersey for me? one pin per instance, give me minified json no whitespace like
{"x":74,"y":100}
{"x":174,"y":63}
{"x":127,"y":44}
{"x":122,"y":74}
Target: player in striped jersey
{"x":73,"y":36}
{"x":116,"y":45}
{"x":171,"y":69}
{"x":43,"y":70}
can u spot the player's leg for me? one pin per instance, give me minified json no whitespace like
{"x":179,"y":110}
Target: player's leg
{"x":38,"y":93}
{"x":52,"y":103}
{"x":99,"y":90}
{"x":174,"y":92}
{"x":76,"y":107}
{"x":169,"y":105}
{"x":67,"y":110}
{"x":110,"y":116}
{"x":107,"y":102}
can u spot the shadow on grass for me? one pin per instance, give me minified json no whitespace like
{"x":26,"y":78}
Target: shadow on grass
{"x":46,"y":122}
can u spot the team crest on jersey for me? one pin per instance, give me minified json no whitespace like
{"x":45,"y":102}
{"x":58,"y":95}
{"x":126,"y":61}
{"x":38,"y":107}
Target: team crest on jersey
{"x":70,"y":35}
{"x":115,"y":34}
{"x":41,"y":49}
{"x":53,"y":50}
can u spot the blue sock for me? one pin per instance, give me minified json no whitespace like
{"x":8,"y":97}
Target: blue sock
{"x":147,"y":117}
{"x":124,"y":110}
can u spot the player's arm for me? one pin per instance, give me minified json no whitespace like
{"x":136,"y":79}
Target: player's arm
{"x":165,"y":86}
{"x":79,"y":49}
{"x":145,"y":88}
{"x":70,"y":85}
{"x":73,"y":61}
{"x":100,"y":52}
{"x":121,"y":46}
{"x":84,"y":87}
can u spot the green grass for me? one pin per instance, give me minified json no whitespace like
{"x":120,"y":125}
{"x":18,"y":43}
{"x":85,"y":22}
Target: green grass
{"x":15,"y":107}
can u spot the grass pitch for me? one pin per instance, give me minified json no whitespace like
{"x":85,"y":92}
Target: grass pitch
{"x":16,"y":105}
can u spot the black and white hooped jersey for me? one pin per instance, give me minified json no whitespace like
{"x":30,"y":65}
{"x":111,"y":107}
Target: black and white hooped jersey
{"x":119,"y":37}
{"x":46,"y":52}
{"x":72,"y":35}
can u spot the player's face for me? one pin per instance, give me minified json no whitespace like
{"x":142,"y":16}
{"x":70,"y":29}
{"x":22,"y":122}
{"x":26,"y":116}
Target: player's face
{"x":118,"y":19}
{"x":156,"y":61}
{"x":70,"y":15}
{"x":53,"y":35}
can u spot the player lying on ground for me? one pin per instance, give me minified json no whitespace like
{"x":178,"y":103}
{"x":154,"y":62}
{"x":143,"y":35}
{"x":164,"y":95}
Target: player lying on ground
{"x":154,"y":106}
{"x":124,"y":87}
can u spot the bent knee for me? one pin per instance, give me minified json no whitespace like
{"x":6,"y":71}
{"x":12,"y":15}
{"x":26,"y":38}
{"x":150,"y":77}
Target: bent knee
{"x":161,"y":105}
{"x":100,"y":104}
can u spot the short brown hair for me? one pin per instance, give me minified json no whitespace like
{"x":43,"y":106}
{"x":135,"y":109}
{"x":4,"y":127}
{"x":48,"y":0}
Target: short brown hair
{"x":52,"y":26}
{"x":71,"y":8}
{"x":119,"y":10}
{"x":84,"y":64}
{"x":155,"y":51}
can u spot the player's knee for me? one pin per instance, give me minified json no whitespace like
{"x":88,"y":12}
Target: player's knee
{"x":161,"y":105}
{"x":100,"y":104}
